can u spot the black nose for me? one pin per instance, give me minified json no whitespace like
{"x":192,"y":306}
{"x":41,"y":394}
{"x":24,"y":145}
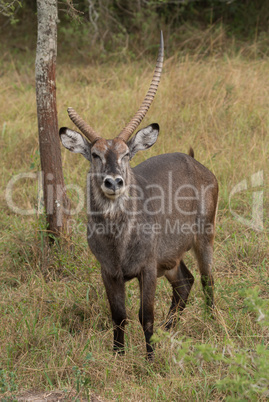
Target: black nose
{"x":112,"y":184}
{"x":119,"y":182}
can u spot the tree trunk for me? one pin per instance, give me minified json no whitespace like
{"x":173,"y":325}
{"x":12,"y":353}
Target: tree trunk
{"x":56,"y":202}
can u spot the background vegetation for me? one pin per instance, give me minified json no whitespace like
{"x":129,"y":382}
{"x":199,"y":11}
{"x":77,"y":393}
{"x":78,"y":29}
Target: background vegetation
{"x":56,"y":331}
{"x":100,"y":29}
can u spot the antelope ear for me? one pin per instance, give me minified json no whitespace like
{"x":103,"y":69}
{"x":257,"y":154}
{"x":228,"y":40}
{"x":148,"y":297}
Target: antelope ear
{"x":143,"y":139}
{"x":75,"y":142}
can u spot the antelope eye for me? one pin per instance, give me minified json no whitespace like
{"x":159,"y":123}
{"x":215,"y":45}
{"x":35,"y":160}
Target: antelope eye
{"x":95,"y":156}
{"x":127,"y":155}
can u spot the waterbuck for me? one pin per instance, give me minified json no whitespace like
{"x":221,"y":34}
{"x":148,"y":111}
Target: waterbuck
{"x":141,"y":221}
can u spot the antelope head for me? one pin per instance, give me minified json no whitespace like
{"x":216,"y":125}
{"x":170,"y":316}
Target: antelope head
{"x":110,"y":158}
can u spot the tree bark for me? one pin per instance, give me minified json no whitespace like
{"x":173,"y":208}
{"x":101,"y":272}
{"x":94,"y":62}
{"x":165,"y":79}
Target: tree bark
{"x":56,"y":202}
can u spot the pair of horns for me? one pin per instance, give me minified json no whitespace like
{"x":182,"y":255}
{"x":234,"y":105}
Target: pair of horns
{"x":126,"y":133}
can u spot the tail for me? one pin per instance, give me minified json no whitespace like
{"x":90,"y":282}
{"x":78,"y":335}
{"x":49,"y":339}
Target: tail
{"x":191,"y":152}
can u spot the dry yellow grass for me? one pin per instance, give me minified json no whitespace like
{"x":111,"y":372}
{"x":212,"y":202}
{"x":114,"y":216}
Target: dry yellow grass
{"x":55,"y":322}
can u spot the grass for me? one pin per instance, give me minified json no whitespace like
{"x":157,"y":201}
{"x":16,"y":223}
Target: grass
{"x":56,"y":330}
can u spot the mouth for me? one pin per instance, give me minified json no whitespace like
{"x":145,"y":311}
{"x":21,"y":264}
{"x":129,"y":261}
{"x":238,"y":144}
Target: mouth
{"x":112,"y":194}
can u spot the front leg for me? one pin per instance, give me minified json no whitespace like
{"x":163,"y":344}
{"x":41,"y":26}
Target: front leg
{"x":147,"y":282}
{"x":115,"y":290}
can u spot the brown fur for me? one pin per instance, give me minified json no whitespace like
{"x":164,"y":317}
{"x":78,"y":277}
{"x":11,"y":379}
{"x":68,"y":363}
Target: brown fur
{"x":142,"y":227}
{"x":146,"y":256}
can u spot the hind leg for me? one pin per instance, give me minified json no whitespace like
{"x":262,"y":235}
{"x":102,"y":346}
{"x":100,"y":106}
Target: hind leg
{"x":181,"y":280}
{"x":204,"y":254}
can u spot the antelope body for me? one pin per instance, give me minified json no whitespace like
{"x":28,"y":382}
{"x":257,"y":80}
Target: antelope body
{"x":141,"y":221}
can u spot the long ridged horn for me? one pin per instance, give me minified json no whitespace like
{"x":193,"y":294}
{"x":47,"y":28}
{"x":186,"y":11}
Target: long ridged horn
{"x":84,"y":127}
{"x":140,"y":114}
